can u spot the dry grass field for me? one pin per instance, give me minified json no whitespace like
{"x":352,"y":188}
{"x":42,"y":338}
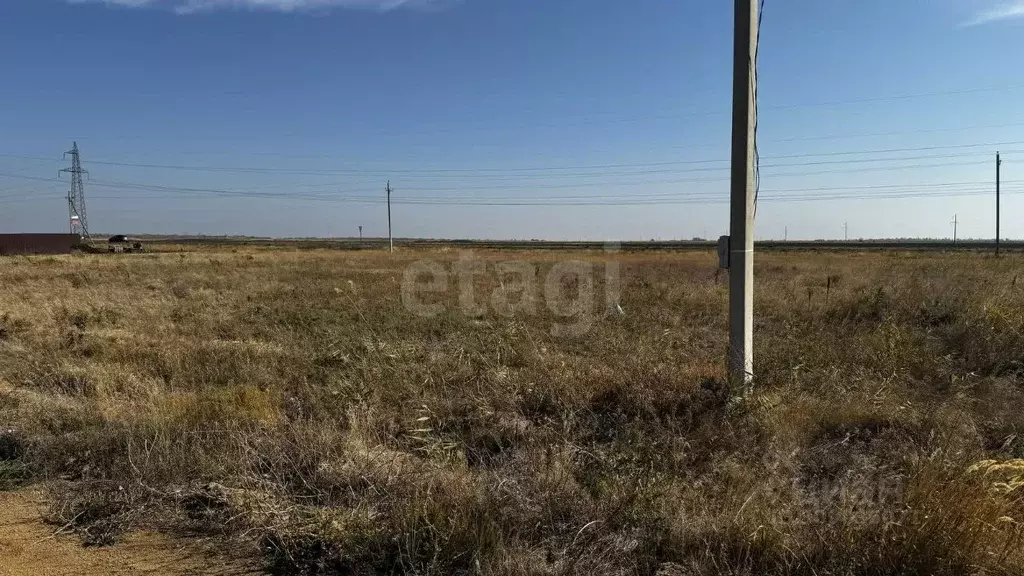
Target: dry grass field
{"x":289,"y":402}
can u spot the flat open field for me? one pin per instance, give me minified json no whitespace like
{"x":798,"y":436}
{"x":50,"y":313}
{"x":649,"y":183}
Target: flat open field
{"x":438,"y":411}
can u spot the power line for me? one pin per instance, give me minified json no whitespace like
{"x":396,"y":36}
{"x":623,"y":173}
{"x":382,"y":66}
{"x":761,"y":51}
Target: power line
{"x":896,"y":133}
{"x":615,"y":118}
{"x":608,"y":202}
{"x":484,"y":172}
{"x":754,"y":68}
{"x":605,"y":184}
{"x":935,"y":188}
{"x":637,"y":198}
{"x":659,"y":147}
{"x":630,"y":200}
{"x":548,"y":168}
{"x":369,"y":193}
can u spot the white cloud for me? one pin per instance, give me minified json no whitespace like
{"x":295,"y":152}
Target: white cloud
{"x":194,"y":6}
{"x":1012,"y":10}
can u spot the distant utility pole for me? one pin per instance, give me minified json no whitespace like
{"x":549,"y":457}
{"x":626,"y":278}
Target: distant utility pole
{"x":954,"y":228}
{"x":76,"y":197}
{"x":846,"y":231}
{"x":741,"y":221}
{"x":391,"y":241}
{"x":785,"y":235}
{"x":999,"y":162}
{"x":360,"y":233}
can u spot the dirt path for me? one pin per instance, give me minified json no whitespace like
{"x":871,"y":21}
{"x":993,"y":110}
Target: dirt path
{"x":27,"y":547}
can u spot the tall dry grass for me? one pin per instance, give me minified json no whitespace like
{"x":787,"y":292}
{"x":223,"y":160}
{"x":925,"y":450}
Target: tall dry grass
{"x":287,"y":400}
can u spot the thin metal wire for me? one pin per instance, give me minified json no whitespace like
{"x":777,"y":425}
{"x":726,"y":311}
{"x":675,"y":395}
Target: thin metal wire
{"x":754,"y":68}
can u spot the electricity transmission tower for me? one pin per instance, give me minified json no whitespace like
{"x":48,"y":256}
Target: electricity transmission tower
{"x":76,"y":197}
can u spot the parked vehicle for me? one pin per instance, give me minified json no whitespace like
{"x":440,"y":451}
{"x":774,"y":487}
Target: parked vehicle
{"x":122,"y":244}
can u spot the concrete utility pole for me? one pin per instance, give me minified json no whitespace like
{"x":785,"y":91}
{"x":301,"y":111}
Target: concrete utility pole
{"x":954,"y":228}
{"x":846,"y":231}
{"x":999,"y":163}
{"x":391,"y":241}
{"x":785,"y":235}
{"x":741,"y":219}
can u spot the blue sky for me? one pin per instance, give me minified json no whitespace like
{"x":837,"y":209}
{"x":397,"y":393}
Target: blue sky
{"x":589,"y":119}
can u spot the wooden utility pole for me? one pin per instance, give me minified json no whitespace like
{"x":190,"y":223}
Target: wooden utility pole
{"x":741,"y":220}
{"x":391,"y":241}
{"x":999,"y":162}
{"x":360,"y":234}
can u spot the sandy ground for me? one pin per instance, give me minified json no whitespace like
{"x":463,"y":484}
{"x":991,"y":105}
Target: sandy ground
{"x":28,"y":547}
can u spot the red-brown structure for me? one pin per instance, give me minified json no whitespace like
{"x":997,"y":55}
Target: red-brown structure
{"x":37,"y":243}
